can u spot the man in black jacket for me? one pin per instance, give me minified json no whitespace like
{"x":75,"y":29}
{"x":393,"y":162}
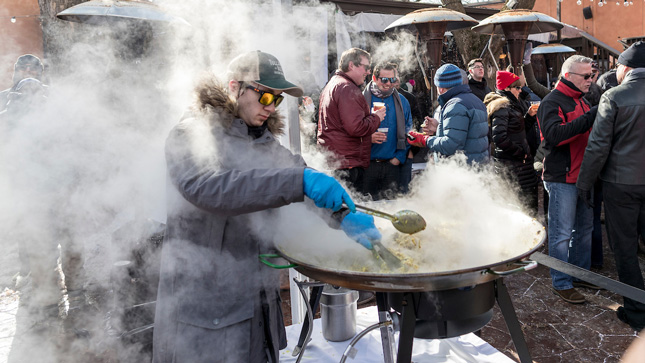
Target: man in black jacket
{"x":615,"y":153}
{"x":593,"y":96}
{"x":565,"y":121}
{"x":476,"y":79}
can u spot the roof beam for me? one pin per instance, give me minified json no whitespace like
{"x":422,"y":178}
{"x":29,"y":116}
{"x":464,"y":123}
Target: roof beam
{"x":399,"y":7}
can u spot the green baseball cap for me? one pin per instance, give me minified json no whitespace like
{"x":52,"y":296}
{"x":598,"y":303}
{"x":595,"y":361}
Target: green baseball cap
{"x":261,"y":68}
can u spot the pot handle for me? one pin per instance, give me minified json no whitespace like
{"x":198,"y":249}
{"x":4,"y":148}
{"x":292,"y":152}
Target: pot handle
{"x":525,"y":266}
{"x":264,"y":259}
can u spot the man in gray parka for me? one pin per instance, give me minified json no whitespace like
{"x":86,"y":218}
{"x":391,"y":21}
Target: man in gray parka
{"x":216,"y":301}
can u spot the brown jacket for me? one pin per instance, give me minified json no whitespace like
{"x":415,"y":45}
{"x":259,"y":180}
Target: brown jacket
{"x":345,"y":124}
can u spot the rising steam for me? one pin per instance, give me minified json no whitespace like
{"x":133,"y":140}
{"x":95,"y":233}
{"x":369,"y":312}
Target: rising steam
{"x":90,"y":160}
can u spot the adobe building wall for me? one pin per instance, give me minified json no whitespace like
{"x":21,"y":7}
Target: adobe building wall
{"x":608,"y":23}
{"x":19,"y":37}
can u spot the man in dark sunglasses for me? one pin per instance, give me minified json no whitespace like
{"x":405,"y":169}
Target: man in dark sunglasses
{"x":229,"y":176}
{"x":565,"y":119}
{"x":389,"y":148}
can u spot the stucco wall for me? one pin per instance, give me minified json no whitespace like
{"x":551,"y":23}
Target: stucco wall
{"x":23,"y":36}
{"x":608,"y":23}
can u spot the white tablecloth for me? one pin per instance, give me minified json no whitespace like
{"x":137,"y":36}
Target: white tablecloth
{"x":466,"y":348}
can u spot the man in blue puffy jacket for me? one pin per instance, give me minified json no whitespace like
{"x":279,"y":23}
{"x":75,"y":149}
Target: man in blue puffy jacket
{"x":463,"y":122}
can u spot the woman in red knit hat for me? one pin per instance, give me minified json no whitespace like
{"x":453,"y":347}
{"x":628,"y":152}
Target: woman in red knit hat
{"x":509,"y":116}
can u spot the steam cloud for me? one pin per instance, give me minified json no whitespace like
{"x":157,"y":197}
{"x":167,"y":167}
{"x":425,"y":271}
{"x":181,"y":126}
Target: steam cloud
{"x":90,"y":160}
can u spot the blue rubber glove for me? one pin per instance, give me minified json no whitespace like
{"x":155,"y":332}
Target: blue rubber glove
{"x":360,"y":227}
{"x":325,"y":191}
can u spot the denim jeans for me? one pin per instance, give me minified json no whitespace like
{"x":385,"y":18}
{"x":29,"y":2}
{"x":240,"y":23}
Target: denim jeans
{"x":569,"y":230}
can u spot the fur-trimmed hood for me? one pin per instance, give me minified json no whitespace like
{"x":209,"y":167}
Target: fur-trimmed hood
{"x":212,"y":100}
{"x":495,"y":102}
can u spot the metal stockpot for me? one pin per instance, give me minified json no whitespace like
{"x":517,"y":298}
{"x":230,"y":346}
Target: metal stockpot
{"x":338,"y":313}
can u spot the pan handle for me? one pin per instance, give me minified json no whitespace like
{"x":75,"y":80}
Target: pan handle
{"x":524,"y":266}
{"x":264,"y":259}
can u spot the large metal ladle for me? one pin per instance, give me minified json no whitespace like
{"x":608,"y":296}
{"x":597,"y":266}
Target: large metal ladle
{"x":405,"y":221}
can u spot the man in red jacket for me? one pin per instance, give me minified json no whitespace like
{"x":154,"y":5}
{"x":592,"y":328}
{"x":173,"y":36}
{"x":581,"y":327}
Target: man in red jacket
{"x":565,"y":119}
{"x":345,"y":123}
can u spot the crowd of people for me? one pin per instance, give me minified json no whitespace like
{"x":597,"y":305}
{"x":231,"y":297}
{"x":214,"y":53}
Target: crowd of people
{"x":532,"y":136}
{"x":581,"y":138}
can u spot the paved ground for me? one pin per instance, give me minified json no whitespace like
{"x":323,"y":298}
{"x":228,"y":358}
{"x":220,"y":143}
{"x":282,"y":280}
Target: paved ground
{"x":557,"y":331}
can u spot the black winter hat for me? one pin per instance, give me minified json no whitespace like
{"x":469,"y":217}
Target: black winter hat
{"x":28,"y":60}
{"x":634,"y":56}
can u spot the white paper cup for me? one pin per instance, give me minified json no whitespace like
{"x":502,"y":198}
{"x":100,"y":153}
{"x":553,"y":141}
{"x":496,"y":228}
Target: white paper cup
{"x":378,"y":105}
{"x":383,"y":130}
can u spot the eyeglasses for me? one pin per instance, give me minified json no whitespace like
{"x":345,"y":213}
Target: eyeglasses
{"x":585,"y":76}
{"x":267,"y":98}
{"x":386,"y":79}
{"x":477,"y":67}
{"x":365,"y":66}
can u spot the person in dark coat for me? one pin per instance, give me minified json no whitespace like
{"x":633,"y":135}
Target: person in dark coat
{"x":417,"y":117}
{"x":597,"y":259}
{"x":510,"y":116}
{"x":26,"y":66}
{"x":476,"y":79}
{"x":529,"y":76}
{"x":26,"y":102}
{"x":593,"y":95}
{"x":417,"y":120}
{"x":607,"y":80}
{"x":615,"y":154}
{"x":216,"y":301}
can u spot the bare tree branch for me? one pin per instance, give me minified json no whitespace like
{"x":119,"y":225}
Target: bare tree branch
{"x":56,"y":33}
{"x":471,"y":44}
